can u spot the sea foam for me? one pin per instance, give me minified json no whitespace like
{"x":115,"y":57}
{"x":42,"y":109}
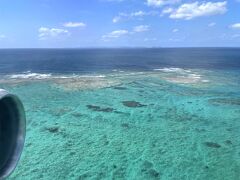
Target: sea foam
{"x":29,"y":76}
{"x":182,"y":76}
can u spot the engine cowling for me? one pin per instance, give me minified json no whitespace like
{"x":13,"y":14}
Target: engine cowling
{"x":12,"y":132}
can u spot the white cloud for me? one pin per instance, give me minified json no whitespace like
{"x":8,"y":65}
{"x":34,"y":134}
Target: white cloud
{"x":119,"y":33}
{"x":167,"y":11}
{"x":235,"y":26}
{"x":175,"y":30}
{"x":45,"y":32}
{"x":116,"y":19}
{"x":192,"y":10}
{"x":74,"y":24}
{"x":212,"y":24}
{"x":150,"y":39}
{"x":115,"y":34}
{"x":137,"y":14}
{"x":159,"y":3}
{"x":141,"y":28}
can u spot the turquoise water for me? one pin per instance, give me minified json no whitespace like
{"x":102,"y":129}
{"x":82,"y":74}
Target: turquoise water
{"x":169,"y":123}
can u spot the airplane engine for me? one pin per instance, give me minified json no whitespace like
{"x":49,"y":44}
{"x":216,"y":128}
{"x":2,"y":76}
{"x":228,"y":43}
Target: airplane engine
{"x":12,"y":132}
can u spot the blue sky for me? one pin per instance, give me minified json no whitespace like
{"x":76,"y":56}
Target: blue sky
{"x":119,"y":23}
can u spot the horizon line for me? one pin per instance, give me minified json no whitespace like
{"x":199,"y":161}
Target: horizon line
{"x":121,"y":47}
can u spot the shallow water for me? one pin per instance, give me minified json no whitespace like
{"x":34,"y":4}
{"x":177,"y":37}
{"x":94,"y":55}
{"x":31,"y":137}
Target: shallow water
{"x":169,"y":123}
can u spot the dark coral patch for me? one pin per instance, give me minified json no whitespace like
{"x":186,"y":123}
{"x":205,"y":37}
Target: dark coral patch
{"x":53,"y":129}
{"x":228,"y":142}
{"x":99,"y":109}
{"x":153,"y":173}
{"x":132,"y":104}
{"x":212,"y":144}
{"x":120,"y":88}
{"x":72,"y":153}
{"x":125,"y":125}
{"x":147,"y":164}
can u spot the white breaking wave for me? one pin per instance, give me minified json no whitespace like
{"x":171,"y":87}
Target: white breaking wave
{"x":29,"y":76}
{"x":173,"y":70}
{"x":184,"y":76}
{"x":92,"y":76}
{"x":117,"y":70}
{"x":175,"y":75}
{"x":194,"y":76}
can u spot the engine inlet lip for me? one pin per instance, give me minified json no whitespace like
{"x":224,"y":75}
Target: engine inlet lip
{"x":17,"y":111}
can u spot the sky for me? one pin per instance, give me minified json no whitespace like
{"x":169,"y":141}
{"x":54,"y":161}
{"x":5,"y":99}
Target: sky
{"x":119,"y":23}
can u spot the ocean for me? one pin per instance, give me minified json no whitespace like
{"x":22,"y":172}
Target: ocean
{"x":146,"y":113}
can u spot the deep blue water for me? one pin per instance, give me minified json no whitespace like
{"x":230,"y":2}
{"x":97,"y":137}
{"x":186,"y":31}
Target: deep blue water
{"x":97,"y":60}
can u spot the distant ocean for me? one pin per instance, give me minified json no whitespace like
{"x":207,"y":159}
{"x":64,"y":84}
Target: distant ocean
{"x":157,"y":113}
{"x":101,"y":60}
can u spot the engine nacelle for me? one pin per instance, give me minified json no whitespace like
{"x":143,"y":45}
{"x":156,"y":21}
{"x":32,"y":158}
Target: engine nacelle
{"x":12,"y":132}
